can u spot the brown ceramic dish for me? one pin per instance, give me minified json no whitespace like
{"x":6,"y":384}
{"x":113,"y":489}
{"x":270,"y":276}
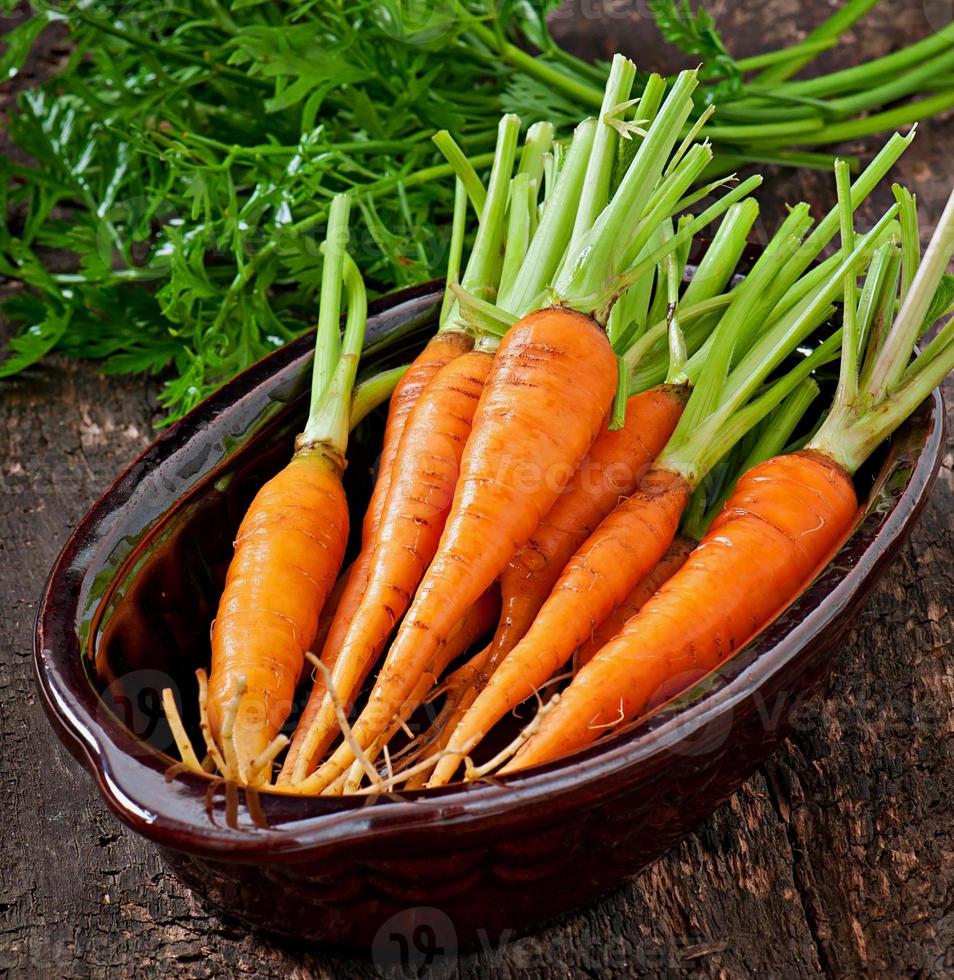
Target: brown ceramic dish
{"x":128,"y":606}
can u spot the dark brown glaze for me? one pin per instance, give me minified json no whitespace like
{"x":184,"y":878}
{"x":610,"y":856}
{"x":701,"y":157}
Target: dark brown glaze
{"x":127,"y":608}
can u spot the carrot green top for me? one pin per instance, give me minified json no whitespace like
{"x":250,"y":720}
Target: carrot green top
{"x":879,"y":384}
{"x":336,"y":356}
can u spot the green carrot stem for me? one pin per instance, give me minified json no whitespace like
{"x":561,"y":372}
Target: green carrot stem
{"x":618,"y":413}
{"x":488,"y":320}
{"x":329,"y":308}
{"x":329,"y":421}
{"x":761,"y":132}
{"x":603,"y":302}
{"x":772,"y":438}
{"x":804,"y":48}
{"x":700,"y":194}
{"x":912,"y":82}
{"x":910,"y":236}
{"x":518,"y":232}
{"x":891,"y":360}
{"x":636,"y":353}
{"x":852,"y":431}
{"x":689,"y":139}
{"x":599,"y":169}
{"x":848,"y":370}
{"x":718,"y":434}
{"x":878,"y":122}
{"x":666,"y":198}
{"x":538,"y":142}
{"x":630,"y":314}
{"x":722,"y":256}
{"x":775,"y":344}
{"x":878,"y":297}
{"x":483,"y":267}
{"x":585,"y":95}
{"x":463,"y":168}
{"x":867,"y":73}
{"x":456,"y":251}
{"x":374,"y":391}
{"x":555,"y":227}
{"x":600,"y":249}
{"x":752,"y":302}
{"x":677,"y":342}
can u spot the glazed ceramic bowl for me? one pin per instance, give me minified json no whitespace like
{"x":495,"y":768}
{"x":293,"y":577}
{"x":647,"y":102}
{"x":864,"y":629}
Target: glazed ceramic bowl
{"x":127,"y":612}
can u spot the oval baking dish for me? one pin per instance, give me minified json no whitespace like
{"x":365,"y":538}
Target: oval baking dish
{"x":127,"y":610}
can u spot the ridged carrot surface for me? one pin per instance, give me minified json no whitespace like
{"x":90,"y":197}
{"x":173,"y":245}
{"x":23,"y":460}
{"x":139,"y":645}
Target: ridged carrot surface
{"x":288,"y":552}
{"x":624,"y":549}
{"x":643,"y":591}
{"x":442,"y":348}
{"x":784,"y":519}
{"x":545,"y":401}
{"x":612,"y":469}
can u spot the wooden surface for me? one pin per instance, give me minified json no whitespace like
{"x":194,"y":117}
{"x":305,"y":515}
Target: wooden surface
{"x":835,"y":859}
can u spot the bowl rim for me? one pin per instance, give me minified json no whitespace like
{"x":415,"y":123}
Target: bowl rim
{"x":177,"y":813}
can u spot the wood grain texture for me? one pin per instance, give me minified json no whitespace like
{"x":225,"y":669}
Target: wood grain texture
{"x":836,"y":859}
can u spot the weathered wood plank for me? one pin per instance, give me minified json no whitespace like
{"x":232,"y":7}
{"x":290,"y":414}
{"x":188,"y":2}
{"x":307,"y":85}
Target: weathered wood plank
{"x":836,"y":859}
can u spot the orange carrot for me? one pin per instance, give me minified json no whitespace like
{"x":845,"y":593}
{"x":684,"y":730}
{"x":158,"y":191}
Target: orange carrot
{"x":424,"y":475}
{"x":289,"y":546}
{"x":612,"y":469}
{"x":783,"y":520}
{"x":624,"y":549}
{"x":786,"y":516}
{"x":349,"y":666}
{"x":441,"y":349}
{"x":475,"y":624}
{"x":287,"y":554}
{"x":643,"y":591}
{"x":549,"y":389}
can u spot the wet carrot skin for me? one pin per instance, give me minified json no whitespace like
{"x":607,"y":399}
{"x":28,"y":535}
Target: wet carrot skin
{"x":288,"y":551}
{"x":440,"y":350}
{"x":784,"y":518}
{"x":545,"y":401}
{"x":612,"y":469}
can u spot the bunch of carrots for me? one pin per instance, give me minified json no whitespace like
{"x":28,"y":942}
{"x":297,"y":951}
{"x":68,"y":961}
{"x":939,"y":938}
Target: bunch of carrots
{"x":597,"y":480}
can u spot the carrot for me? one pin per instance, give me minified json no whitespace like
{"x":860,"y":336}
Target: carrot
{"x":290,"y":544}
{"x":554,"y":372}
{"x":785,"y":517}
{"x":665,"y":568}
{"x":789,"y":512}
{"x":624,"y":549}
{"x":468,"y":681}
{"x":421,"y":489}
{"x":441,"y":349}
{"x":287,"y":553}
{"x":612,"y":469}
{"x":409,"y":513}
{"x":548,"y":392}
{"x":628,"y":544}
{"x":474,"y":624}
